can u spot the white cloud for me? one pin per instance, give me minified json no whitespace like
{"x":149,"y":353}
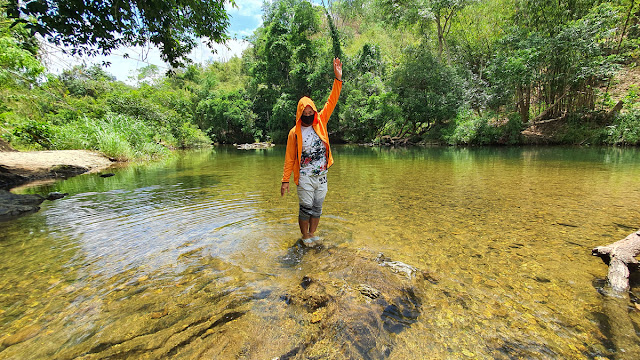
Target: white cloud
{"x":243,"y":21}
{"x":125,"y":69}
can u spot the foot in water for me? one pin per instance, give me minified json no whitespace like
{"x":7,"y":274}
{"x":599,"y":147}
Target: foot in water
{"x":312,"y":241}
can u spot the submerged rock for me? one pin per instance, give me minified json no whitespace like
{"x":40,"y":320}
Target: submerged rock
{"x":357,"y":304}
{"x":65,"y":171}
{"x":13,"y":205}
{"x":323,"y":303}
{"x":397,"y":266}
{"x":21,"y":335}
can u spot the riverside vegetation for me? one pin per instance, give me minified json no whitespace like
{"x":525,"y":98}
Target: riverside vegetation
{"x":417,"y":71}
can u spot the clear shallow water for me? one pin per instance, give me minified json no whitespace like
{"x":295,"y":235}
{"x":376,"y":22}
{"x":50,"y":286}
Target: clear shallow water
{"x":192,"y":257}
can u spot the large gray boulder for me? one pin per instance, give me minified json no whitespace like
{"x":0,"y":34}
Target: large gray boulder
{"x":13,"y":205}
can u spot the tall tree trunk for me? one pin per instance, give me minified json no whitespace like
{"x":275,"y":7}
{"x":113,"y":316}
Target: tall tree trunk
{"x":626,"y":23}
{"x":523,"y":95}
{"x":440,"y":36}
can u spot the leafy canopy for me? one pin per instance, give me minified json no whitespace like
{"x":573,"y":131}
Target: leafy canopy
{"x":93,"y":27}
{"x":19,"y":64}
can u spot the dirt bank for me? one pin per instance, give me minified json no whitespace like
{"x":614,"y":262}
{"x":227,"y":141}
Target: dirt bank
{"x":18,"y":168}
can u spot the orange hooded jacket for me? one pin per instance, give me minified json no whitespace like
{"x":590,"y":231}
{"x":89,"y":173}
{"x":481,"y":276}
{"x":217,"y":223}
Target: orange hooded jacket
{"x":294,"y":140}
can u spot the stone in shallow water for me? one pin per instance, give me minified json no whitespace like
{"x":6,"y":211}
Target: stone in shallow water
{"x":363,"y":304}
{"x":21,"y":335}
{"x":56,"y":195}
{"x":12,"y":205}
{"x":368,"y":291}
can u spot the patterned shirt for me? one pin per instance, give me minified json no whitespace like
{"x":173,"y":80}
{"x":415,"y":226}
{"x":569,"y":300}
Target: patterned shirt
{"x":314,"y":153}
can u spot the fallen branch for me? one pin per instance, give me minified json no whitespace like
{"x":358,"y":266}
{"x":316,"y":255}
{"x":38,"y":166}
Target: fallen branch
{"x":549,"y":120}
{"x":620,"y":256}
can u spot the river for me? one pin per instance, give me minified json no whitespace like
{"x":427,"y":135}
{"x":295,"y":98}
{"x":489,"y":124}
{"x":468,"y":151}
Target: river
{"x":196,"y":257}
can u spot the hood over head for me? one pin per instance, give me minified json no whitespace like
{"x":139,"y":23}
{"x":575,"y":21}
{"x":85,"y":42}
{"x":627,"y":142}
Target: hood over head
{"x":302,"y":104}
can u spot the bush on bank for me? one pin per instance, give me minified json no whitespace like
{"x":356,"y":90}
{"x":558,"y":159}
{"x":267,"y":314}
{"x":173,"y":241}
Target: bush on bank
{"x":625,"y":129}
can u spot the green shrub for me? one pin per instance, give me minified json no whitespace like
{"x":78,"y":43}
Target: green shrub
{"x":580,"y":129}
{"x":70,"y":136}
{"x":625,"y":129}
{"x":32,"y":131}
{"x":512,"y":130}
{"x":470,"y":129}
{"x":190,"y":136}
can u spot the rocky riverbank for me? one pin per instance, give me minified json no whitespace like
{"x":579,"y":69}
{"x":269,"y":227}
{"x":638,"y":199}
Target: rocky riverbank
{"x":18,"y":168}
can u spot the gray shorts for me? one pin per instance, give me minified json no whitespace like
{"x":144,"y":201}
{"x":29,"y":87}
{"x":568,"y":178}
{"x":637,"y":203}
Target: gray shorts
{"x":311,"y":193}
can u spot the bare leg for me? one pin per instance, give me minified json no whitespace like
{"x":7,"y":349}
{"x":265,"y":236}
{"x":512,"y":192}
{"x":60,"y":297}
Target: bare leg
{"x":313,"y":225}
{"x":304,"y":228}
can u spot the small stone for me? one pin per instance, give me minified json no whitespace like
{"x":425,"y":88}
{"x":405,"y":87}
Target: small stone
{"x":56,"y":195}
{"x":468,"y":353}
{"x":22,"y":335}
{"x":317,"y":316}
{"x":306,"y":281}
{"x":368,"y":291}
{"x":401,"y":268}
{"x":159,"y":314}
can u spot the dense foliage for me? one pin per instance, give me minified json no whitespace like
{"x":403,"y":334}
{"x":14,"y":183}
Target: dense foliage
{"x":101,"y":26}
{"x":448,"y":71}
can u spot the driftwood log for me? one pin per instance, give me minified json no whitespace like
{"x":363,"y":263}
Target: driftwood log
{"x":262,"y":145}
{"x":620,"y":256}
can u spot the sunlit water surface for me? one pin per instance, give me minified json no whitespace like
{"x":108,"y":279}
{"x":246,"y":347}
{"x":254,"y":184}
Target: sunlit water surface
{"x":191,"y":257}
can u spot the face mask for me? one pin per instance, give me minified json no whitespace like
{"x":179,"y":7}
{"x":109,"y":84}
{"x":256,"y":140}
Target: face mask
{"x":307,"y":119}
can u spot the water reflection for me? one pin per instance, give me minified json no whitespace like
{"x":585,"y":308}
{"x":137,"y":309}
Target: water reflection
{"x":192,"y":256}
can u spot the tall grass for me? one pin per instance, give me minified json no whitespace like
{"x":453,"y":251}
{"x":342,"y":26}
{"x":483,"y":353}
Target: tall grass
{"x":118,"y":136}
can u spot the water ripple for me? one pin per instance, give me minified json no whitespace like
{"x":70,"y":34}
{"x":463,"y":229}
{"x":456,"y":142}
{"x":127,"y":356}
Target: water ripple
{"x":119,"y":229}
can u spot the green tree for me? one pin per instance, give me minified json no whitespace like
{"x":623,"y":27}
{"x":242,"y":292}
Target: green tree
{"x":440,"y":13}
{"x":227,"y":117}
{"x":551,"y":73}
{"x":287,"y":62}
{"x":474,"y":40}
{"x":82,"y":80}
{"x":428,"y":90}
{"x":367,"y":100}
{"x":20,"y":72}
{"x":91,"y":27}
{"x":19,"y":63}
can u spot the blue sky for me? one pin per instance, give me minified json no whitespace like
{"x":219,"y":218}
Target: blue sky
{"x":244,"y":19}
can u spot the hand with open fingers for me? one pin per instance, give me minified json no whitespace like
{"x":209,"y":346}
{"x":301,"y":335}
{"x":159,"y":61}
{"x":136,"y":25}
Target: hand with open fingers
{"x":284,"y":188}
{"x":337,"y":68}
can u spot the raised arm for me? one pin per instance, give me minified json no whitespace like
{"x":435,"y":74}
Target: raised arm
{"x":326,"y":111}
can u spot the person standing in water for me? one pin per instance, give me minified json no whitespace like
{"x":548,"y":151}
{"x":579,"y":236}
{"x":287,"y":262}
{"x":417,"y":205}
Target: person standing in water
{"x":308,"y":156}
